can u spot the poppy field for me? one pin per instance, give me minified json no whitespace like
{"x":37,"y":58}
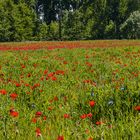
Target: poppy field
{"x":70,"y":90}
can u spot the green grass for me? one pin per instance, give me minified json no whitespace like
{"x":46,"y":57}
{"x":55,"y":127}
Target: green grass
{"x":113,"y":75}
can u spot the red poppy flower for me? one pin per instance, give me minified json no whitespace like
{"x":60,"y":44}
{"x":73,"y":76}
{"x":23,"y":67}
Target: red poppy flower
{"x":47,"y":78}
{"x":27,"y":85}
{"x":89,"y":115}
{"x":13,"y":96}
{"x":88,"y":64}
{"x":34,"y":120}
{"x":50,"y":108}
{"x":3,"y":91}
{"x":83,"y":116}
{"x":58,"y":72}
{"x":55,"y":98}
{"x":13,"y":113}
{"x":44,"y":118}
{"x":35,"y":65}
{"x":87,"y":56}
{"x":65,"y":62}
{"x":54,"y":78}
{"x":90,"y":138}
{"x":41,"y":90}
{"x":38,"y":132}
{"x":51,"y":74}
{"x":50,"y":101}
{"x":137,"y":108}
{"x":125,"y":65}
{"x":42,"y":78}
{"x":29,"y":75}
{"x":45,"y":72}
{"x":87,"y":81}
{"x":66,"y":116}
{"x":18,"y":84}
{"x":23,"y":66}
{"x":37,"y":85}
{"x":99,"y":123}
{"x":38,"y":114}
{"x":60,"y":138}
{"x":92,"y":103}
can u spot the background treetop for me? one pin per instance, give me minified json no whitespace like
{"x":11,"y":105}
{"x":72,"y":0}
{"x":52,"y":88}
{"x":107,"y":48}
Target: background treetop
{"x":22,"y":20}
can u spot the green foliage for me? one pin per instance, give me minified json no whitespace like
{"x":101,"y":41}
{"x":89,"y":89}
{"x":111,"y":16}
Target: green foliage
{"x":5,"y":23}
{"x":98,"y":19}
{"x":53,"y":32}
{"x":18,"y":21}
{"x":23,"y":19}
{"x":131,"y":27}
{"x":73,"y":26}
{"x":109,"y":30}
{"x":88,"y":29}
{"x":42,"y":33}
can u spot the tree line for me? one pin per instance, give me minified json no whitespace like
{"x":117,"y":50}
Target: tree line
{"x":22,"y":20}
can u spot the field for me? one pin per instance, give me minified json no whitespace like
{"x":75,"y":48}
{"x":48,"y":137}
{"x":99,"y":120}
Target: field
{"x":88,"y":90}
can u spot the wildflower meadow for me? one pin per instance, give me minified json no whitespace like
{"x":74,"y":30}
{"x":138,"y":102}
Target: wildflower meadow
{"x":88,"y":90}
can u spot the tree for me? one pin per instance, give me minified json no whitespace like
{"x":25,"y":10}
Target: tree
{"x":42,"y":33}
{"x":73,"y":26}
{"x":118,"y":11}
{"x":23,"y":19}
{"x":5,"y":22}
{"x":131,"y":27}
{"x":65,"y":19}
{"x":53,"y":31}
